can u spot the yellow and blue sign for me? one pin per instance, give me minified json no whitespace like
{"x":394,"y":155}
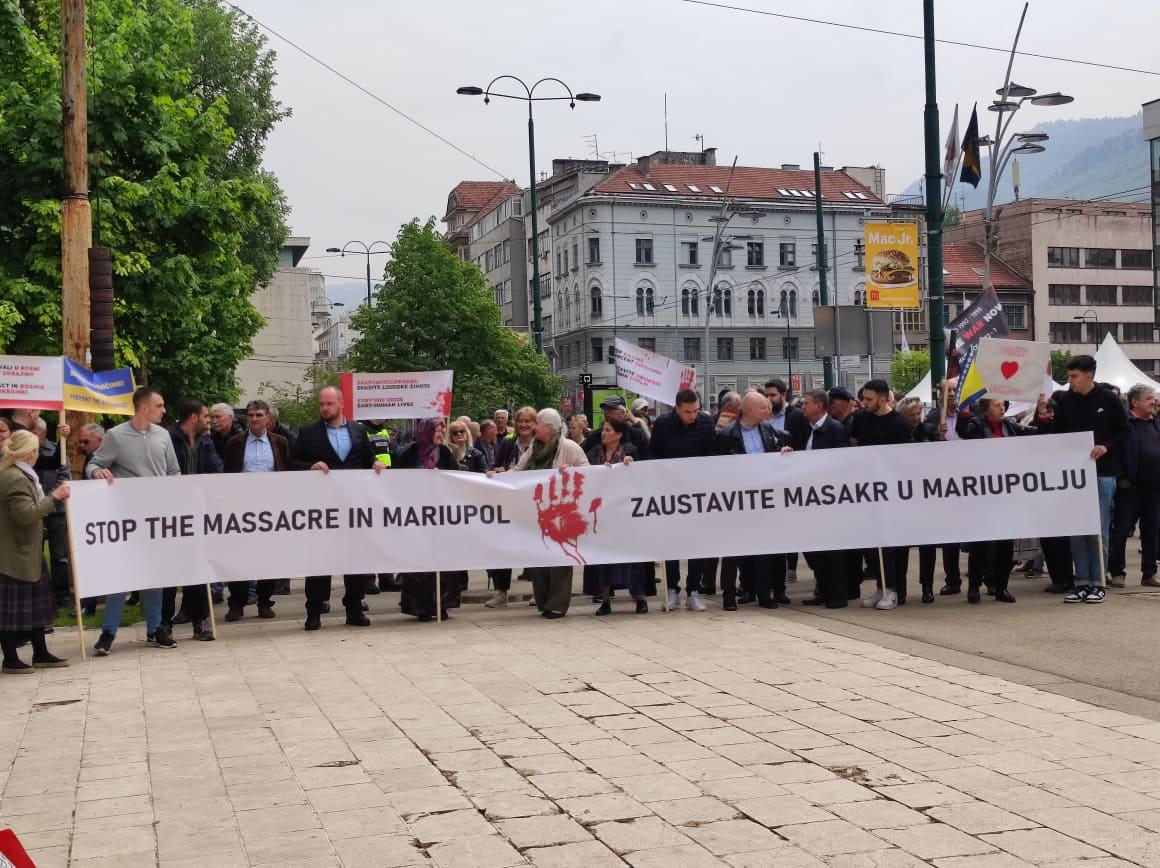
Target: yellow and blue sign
{"x":98,"y":391}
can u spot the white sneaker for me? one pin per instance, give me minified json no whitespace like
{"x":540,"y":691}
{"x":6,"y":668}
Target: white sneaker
{"x":889,"y":601}
{"x":790,"y":576}
{"x":498,"y":599}
{"x":694,"y":602}
{"x":674,"y":598}
{"x":873,"y":600}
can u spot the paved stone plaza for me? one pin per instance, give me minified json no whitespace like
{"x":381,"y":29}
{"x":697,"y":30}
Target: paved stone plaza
{"x":748,"y":739}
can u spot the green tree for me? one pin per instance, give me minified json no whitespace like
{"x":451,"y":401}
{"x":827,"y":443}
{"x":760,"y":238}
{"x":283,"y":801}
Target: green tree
{"x":180,"y":105}
{"x":1059,"y":360}
{"x":435,"y":312}
{"x":952,"y":216}
{"x":908,"y":369}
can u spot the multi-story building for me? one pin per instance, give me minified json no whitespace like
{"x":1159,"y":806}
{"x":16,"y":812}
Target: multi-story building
{"x":963,"y":281}
{"x":496,"y":244}
{"x":1152,"y":134}
{"x":1091,"y":268}
{"x":630,"y":258}
{"x":463,"y":205}
{"x":283,"y":350}
{"x":333,"y":340}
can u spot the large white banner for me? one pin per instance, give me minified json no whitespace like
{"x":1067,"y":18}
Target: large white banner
{"x":31,"y":382}
{"x":651,"y":374}
{"x":139,"y":533}
{"x":415,"y":395}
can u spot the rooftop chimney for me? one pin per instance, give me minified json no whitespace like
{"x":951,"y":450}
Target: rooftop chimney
{"x":791,"y":167}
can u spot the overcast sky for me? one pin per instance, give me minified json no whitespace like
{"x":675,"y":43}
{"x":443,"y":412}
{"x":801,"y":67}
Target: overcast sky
{"x":764,"y":89}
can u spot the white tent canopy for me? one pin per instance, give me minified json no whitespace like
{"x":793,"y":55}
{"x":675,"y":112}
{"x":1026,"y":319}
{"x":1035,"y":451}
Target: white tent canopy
{"x":1113,"y":366}
{"x":922,"y":390}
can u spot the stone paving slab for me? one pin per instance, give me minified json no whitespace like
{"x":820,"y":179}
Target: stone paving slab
{"x":498,"y":739}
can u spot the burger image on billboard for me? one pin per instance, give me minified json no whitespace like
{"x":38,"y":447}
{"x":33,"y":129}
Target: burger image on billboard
{"x":891,"y":267}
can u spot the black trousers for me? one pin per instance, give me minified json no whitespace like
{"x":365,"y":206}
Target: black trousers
{"x":950,"y":559}
{"x":1057,"y":556}
{"x":318,"y":592}
{"x":240,"y":592}
{"x":1131,"y":504}
{"x":896,"y":560}
{"x":501,"y":579}
{"x":194,"y":600}
{"x":831,"y":570}
{"x":698,"y":568}
{"x":759,"y":575}
{"x":730,"y":569}
{"x":56,"y":532}
{"x":990,"y":563}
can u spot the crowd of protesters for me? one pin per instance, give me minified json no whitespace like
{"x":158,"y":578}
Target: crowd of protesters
{"x":34,"y":483}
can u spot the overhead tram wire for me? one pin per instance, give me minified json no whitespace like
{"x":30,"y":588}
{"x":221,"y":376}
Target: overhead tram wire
{"x":366,"y":91}
{"x":918,"y":36}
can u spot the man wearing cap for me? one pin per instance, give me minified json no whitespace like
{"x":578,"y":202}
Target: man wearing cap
{"x":842,"y":406}
{"x":615,"y":408}
{"x":642,"y":415}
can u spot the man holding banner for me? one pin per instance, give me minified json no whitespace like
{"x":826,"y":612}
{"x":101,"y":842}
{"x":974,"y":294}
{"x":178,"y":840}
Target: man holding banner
{"x":334,"y":443}
{"x":139,"y":447}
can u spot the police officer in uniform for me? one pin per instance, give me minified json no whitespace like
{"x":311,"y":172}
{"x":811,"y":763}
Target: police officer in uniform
{"x":380,"y":436}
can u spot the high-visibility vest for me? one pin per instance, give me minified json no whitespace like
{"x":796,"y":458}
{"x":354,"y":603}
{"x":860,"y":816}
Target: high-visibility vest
{"x":381,"y":443}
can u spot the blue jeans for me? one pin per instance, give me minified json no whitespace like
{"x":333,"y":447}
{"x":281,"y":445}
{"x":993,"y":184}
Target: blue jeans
{"x":150,"y":604}
{"x":1085,"y":551}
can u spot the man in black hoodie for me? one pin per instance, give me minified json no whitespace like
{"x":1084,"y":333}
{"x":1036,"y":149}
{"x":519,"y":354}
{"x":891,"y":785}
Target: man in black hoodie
{"x":1090,"y":406}
{"x":1138,"y":489}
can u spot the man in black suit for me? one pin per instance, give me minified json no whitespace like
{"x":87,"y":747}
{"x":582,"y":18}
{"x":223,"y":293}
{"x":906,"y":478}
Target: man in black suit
{"x":750,"y":435}
{"x":334,"y":443}
{"x":837,"y":572}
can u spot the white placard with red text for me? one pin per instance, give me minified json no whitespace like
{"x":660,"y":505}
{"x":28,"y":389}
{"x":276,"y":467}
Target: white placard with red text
{"x":1013,"y":370}
{"x":182,"y":530}
{"x":32,"y":382}
{"x":651,"y":374}
{"x":413,"y":395}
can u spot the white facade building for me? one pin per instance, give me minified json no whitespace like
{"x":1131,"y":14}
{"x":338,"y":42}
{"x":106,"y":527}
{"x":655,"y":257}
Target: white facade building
{"x":283,"y":351}
{"x":630,"y":258}
{"x":333,"y":340}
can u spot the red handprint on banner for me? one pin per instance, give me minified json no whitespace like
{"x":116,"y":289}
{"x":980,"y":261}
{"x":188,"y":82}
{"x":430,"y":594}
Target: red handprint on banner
{"x":559,"y":514}
{"x":688,"y":377}
{"x":441,"y":403}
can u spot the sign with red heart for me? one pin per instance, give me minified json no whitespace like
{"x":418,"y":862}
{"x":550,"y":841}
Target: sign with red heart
{"x":1013,"y":370}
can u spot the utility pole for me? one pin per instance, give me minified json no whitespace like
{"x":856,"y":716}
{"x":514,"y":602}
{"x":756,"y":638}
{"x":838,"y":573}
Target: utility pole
{"x":76,"y":227}
{"x":827,"y":362}
{"x":934,"y":211}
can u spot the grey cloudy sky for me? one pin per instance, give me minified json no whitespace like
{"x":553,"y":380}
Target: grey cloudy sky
{"x":764,"y":89}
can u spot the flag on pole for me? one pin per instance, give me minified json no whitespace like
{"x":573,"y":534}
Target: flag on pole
{"x":952,"y":156}
{"x":971,"y":384}
{"x":972,"y":163}
{"x":905,"y":343}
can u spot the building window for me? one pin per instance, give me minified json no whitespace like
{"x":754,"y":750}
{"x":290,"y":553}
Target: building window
{"x":757,"y":302}
{"x":860,"y":255}
{"x":640,"y":301}
{"x":593,"y":251}
{"x":724,"y":349}
{"x":689,"y":301}
{"x":644,"y":251}
{"x":789,"y":349}
{"x":757,"y":349}
{"x":649,"y":344}
{"x":559,"y":263}
{"x":717,"y":302}
{"x":507,"y":253}
{"x":1100,"y":257}
{"x":1063,"y":257}
{"x":692,"y":349}
{"x":814,"y":253}
{"x":575,"y":255}
{"x":597,"y":350}
{"x":1101,"y":295}
{"x":788,"y":305}
{"x":787,"y":254}
{"x":1016,"y":315}
{"x":725,"y":257}
{"x":1137,"y":332}
{"x":1097,"y":331}
{"x":689,"y":249}
{"x":644,"y":301}
{"x":1135,"y":259}
{"x":728,"y":299}
{"x":1063,"y":293}
{"x":1065,"y":333}
{"x":684,"y":302}
{"x":860,"y":299}
{"x":1137,"y":296}
{"x":816,"y":298}
{"x":755,"y":254}
{"x":597,"y":310}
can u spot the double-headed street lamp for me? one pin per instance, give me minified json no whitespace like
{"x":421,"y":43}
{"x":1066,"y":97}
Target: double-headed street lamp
{"x":368,"y":250}
{"x":529,"y":96}
{"x":1095,"y":317}
{"x":1002,"y":149}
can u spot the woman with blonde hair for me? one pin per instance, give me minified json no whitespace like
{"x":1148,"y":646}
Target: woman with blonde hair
{"x":27,"y":604}
{"x":462,"y":446}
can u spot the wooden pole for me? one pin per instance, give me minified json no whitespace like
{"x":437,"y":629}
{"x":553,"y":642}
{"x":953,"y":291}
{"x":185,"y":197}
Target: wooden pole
{"x":212,"y":617}
{"x":438,"y":598}
{"x":76,"y":229}
{"x":72,"y":573}
{"x":881,"y":572}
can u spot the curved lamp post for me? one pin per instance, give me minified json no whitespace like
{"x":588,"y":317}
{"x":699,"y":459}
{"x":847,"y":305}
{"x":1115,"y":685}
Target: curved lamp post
{"x":368,"y":250}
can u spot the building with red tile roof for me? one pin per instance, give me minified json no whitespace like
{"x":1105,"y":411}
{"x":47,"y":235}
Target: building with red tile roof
{"x":464,"y":203}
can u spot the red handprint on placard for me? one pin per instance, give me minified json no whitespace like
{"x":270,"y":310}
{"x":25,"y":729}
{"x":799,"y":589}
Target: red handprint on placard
{"x":441,"y":403}
{"x":559,"y":512}
{"x":688,"y":377}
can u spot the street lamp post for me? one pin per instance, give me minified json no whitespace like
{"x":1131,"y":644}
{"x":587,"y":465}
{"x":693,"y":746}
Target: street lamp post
{"x":1083,"y":317}
{"x":783,"y":311}
{"x":368,"y":251}
{"x":1002,"y":149}
{"x":529,"y":97}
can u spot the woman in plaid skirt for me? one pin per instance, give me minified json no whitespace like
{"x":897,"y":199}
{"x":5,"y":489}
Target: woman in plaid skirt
{"x":27,"y":604}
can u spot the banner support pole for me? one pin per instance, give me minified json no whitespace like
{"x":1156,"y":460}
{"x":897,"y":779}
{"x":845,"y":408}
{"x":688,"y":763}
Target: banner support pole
{"x":438,"y":597}
{"x":72,"y":575}
{"x":881,"y":572}
{"x":209,"y":601}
